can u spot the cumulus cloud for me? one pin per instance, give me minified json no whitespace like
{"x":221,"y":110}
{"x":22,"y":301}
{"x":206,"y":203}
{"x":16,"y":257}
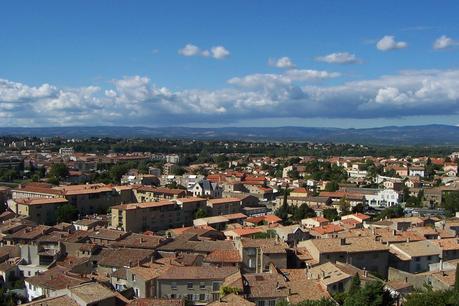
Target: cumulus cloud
{"x":219,"y":52}
{"x":300,"y":93}
{"x":339,"y":58}
{"x":444,"y":42}
{"x":189,"y":50}
{"x":282,"y":62}
{"x":388,"y":43}
{"x":216,"y":52}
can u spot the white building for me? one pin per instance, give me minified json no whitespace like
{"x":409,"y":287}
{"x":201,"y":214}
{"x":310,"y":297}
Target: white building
{"x":206,"y":188}
{"x":416,"y":171}
{"x":66,"y":151}
{"x":382,"y":198}
{"x":172,"y":158}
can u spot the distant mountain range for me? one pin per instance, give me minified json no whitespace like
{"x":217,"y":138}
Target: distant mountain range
{"x":389,"y":135}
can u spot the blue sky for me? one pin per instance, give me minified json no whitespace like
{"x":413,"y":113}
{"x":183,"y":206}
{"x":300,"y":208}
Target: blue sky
{"x":263,"y":63}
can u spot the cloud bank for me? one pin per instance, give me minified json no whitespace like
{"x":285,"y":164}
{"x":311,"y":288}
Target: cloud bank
{"x":300,"y":93}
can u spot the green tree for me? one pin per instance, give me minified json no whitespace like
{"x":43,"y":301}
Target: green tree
{"x":355,"y":284}
{"x":331,"y":186}
{"x":344,"y":206}
{"x":430,"y":297}
{"x":303,"y":211}
{"x":359,"y":208}
{"x":391,"y":212}
{"x":59,"y":171}
{"x":456,"y":281}
{"x":451,"y":202}
{"x":330,"y":214}
{"x":53,"y":180}
{"x":372,"y":294}
{"x":200,"y":213}
{"x":66,"y":213}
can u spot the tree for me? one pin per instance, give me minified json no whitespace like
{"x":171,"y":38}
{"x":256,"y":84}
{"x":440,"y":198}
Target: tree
{"x":430,"y":297}
{"x":282,"y":212}
{"x":372,"y":294}
{"x":451,"y":202}
{"x":344,"y":206}
{"x":200,"y":213}
{"x":177,"y":170}
{"x":225,"y":290}
{"x":355,"y":284}
{"x":67,"y":213}
{"x":59,"y":171}
{"x":456,"y":281}
{"x":391,"y":212}
{"x":359,"y":208}
{"x":330,"y":214}
{"x":53,"y":180}
{"x":303,"y":211}
{"x":331,"y":186}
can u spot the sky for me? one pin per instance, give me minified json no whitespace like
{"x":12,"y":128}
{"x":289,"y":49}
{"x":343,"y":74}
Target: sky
{"x":349,"y":64}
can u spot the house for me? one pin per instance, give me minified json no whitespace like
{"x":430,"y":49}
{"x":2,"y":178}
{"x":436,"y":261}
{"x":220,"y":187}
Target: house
{"x":206,"y":188}
{"x":362,"y":252}
{"x":450,"y":169}
{"x":414,"y":257}
{"x":49,"y":282}
{"x":257,"y":254}
{"x":292,"y":234}
{"x":198,"y":284}
{"x":38,"y":210}
{"x":359,"y":217}
{"x":417,"y":171}
{"x":266,"y":288}
{"x":382,"y":198}
{"x":314,"y":222}
{"x":299,"y":192}
{"x":223,"y":206}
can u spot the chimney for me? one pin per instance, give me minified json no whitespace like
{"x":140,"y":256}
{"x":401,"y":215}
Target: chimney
{"x":365,"y":273}
{"x":408,"y":239}
{"x":394,"y":232}
{"x":343,"y":241}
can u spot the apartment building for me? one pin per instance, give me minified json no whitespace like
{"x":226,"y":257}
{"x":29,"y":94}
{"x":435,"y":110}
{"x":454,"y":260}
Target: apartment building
{"x":198,"y":284}
{"x":155,"y":216}
{"x":223,"y":206}
{"x":38,"y":210}
{"x":258,"y":254}
{"x":150,"y":194}
{"x":361,"y":252}
{"x":414,"y":257}
{"x":139,"y":217}
{"x":88,"y":198}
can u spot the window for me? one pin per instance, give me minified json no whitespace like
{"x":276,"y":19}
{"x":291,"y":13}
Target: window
{"x":174,"y":286}
{"x":190,"y":286}
{"x":215,"y":286}
{"x":251,"y":263}
{"x":202,"y":285}
{"x":417,"y":258}
{"x":202,"y":297}
{"x":429,"y":257}
{"x":173,"y":296}
{"x":189,"y":297}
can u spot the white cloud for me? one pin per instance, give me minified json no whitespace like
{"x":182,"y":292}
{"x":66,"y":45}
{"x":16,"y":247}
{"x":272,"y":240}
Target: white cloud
{"x":273,"y":80}
{"x":216,"y":52}
{"x":339,"y":58}
{"x":388,"y":42}
{"x":135,"y":100}
{"x":444,"y":42}
{"x":219,"y":52}
{"x":282,"y":62}
{"x":189,"y":50}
